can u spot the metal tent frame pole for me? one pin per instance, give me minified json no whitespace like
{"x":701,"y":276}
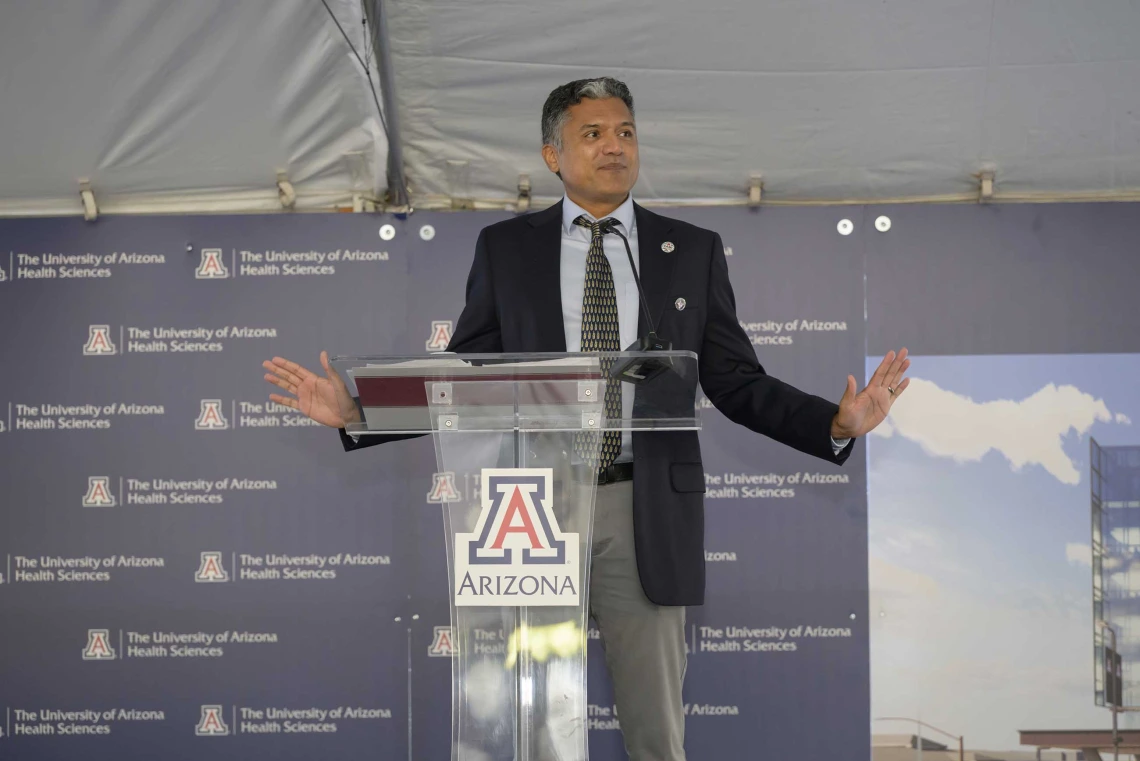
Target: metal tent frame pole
{"x":377,"y":16}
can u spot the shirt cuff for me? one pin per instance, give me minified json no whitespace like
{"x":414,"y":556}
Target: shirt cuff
{"x":837,"y":445}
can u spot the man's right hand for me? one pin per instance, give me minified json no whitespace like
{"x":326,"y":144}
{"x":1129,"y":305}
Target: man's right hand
{"x":325,"y":400}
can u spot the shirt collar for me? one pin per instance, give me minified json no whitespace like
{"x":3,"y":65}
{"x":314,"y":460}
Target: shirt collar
{"x":623,"y":214}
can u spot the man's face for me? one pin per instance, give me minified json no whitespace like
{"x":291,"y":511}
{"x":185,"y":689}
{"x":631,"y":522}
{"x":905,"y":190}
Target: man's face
{"x":598,"y":159}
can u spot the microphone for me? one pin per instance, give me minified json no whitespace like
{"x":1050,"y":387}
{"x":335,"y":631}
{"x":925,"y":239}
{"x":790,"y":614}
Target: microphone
{"x":636,"y":370}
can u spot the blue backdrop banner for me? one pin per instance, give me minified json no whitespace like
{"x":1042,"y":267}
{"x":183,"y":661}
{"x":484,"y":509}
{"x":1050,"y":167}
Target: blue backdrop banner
{"x":187,"y":569}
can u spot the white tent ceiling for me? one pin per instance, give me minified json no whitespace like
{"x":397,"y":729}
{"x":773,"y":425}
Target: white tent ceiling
{"x":167,"y":104}
{"x":199,"y":105}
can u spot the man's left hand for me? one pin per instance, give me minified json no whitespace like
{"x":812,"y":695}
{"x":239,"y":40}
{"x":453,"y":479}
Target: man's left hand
{"x":860,"y":413}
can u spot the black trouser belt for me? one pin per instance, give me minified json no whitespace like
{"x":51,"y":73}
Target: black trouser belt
{"x":611,"y":474}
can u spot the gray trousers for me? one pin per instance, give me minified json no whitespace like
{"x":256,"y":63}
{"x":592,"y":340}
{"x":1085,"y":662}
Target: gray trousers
{"x":644,"y":642}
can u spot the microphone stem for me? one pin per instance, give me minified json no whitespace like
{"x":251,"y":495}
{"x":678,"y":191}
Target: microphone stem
{"x":636,"y":279}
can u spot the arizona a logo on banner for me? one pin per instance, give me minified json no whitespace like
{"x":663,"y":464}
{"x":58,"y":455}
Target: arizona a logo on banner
{"x":443,"y":643}
{"x":212,"y":266}
{"x":98,"y":646}
{"x":440,"y":335}
{"x":210,"y":416}
{"x":443,"y":488}
{"x":99,"y":492}
{"x":99,"y":343}
{"x":517,"y":554}
{"x":211,"y":723}
{"x":211,"y":569}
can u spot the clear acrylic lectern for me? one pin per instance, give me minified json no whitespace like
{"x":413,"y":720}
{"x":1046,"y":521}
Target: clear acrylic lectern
{"x":527,"y":428}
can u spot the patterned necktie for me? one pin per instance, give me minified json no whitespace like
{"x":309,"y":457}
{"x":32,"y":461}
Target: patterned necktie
{"x":600,"y":333}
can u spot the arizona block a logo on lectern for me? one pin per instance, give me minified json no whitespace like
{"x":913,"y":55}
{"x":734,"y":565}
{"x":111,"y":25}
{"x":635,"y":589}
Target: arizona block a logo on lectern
{"x":517,"y":554}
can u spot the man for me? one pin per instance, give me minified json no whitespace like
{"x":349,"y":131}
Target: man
{"x":557,"y":281}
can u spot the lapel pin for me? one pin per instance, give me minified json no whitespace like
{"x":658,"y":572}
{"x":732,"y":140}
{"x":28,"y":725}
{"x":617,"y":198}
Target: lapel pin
{"x":667,"y":247}
{"x":680,"y":304}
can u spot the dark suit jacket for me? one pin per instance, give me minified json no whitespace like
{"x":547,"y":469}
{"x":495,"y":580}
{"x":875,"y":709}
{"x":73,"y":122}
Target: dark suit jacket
{"x":514,"y":304}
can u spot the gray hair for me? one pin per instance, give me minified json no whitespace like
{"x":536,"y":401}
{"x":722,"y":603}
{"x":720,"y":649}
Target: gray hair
{"x":556,"y":110}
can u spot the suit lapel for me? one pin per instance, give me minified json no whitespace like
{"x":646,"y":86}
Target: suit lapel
{"x":654,"y":263}
{"x":543,"y":284}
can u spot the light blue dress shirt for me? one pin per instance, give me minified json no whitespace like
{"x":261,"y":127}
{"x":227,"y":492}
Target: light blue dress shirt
{"x":572,"y":277}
